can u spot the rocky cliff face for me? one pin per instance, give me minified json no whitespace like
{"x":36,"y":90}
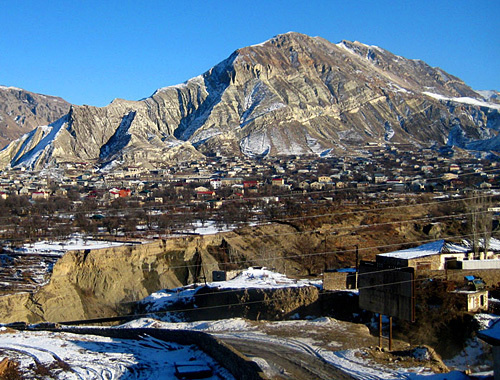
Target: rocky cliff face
{"x":104,"y":282}
{"x":21,"y":111}
{"x":97,"y":283}
{"x":293,"y":94}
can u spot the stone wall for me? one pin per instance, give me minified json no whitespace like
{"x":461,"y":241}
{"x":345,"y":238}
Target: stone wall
{"x":335,"y":280}
{"x":339,"y":280}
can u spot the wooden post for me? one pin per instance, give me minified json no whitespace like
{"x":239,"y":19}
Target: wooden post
{"x":380,"y":331}
{"x":390,"y":333}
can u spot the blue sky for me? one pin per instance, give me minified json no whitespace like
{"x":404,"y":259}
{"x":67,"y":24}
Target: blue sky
{"x":90,"y":52}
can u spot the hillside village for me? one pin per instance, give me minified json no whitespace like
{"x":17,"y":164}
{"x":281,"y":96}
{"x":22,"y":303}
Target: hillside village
{"x":378,"y":173}
{"x":399,"y":168}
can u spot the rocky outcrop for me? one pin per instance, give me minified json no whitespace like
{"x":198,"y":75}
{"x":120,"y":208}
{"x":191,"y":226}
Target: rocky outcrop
{"x":88,"y":284}
{"x":253,"y":303}
{"x":21,"y":111}
{"x":293,"y":94}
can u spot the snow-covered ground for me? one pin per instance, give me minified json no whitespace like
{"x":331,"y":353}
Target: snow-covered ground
{"x":73,"y":356}
{"x":59,"y":248}
{"x":352,"y":361}
{"x":96,"y":357}
{"x":209,"y":227}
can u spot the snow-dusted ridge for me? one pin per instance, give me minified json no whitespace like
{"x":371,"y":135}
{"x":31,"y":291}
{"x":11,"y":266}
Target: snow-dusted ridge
{"x":49,"y":133}
{"x":10,"y":88}
{"x":198,"y":79}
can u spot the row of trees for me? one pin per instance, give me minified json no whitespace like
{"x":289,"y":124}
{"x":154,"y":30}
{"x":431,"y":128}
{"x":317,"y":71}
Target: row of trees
{"x":25,"y":219}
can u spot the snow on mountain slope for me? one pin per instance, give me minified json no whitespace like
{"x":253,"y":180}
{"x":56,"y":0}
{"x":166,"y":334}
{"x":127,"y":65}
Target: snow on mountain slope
{"x":464,"y":100}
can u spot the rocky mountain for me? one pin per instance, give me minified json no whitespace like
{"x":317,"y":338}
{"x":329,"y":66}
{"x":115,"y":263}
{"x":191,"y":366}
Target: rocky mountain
{"x":292,"y":94}
{"x":21,"y":111}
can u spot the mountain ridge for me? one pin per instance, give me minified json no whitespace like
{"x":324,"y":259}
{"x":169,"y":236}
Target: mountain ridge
{"x":292,"y":94}
{"x":22,"y":110}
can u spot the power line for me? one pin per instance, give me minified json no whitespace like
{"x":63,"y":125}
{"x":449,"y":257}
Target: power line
{"x":439,"y":202}
{"x":302,"y":256}
{"x":238,"y":304}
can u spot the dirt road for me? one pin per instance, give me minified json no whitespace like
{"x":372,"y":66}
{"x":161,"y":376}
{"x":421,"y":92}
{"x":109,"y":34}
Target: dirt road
{"x":293,"y":360}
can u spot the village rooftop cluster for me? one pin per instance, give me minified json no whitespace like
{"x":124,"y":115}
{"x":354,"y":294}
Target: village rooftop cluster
{"x":377,"y":169}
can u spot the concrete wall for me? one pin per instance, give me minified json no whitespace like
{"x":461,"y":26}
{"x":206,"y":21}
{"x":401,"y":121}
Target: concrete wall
{"x":481,"y":264}
{"x":473,"y":301}
{"x":433,"y":262}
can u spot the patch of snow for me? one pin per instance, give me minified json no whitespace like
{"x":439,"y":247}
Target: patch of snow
{"x":488,"y":94}
{"x":344,"y":46}
{"x":255,"y":144}
{"x":209,"y":227}
{"x":315,"y":146}
{"x":471,"y":357}
{"x":286,"y":143}
{"x":58,"y":248}
{"x":262,"y":43}
{"x":255,"y":102}
{"x":261,"y":278}
{"x":428,"y":249}
{"x":463,"y":100}
{"x":389,"y":132}
{"x":223,"y":325}
{"x":49,"y":133}
{"x":171,"y":142}
{"x":398,"y":88}
{"x":205,"y":135}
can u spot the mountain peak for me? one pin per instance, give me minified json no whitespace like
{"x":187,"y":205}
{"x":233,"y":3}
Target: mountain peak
{"x":290,"y":95}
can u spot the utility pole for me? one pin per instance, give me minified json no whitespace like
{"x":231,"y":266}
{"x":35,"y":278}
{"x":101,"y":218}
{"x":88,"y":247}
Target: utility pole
{"x":357,"y":267}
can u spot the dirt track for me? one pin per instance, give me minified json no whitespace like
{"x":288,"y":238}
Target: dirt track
{"x":284,"y":362}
